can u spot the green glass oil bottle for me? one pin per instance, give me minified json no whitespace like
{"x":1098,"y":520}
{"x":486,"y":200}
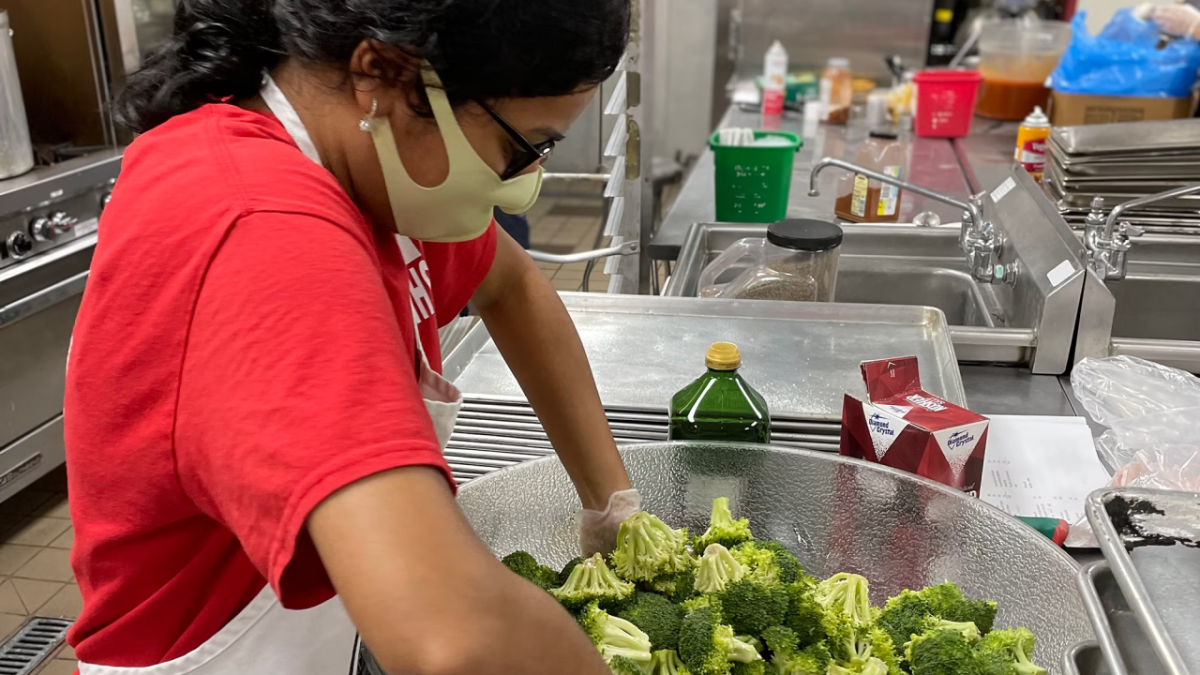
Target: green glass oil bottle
{"x":720,"y":406}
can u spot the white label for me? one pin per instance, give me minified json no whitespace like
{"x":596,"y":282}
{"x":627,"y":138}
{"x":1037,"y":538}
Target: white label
{"x":884,"y":428}
{"x":897,"y":410}
{"x":958,"y":443}
{"x":87,"y":227}
{"x":1005,"y":188}
{"x":1061,"y":273}
{"x":888,"y":194}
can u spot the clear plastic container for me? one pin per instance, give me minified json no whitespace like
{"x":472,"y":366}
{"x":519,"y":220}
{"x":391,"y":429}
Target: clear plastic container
{"x":798,"y":261}
{"x":861,"y":200}
{"x":1015,"y":58}
{"x":837,"y":92}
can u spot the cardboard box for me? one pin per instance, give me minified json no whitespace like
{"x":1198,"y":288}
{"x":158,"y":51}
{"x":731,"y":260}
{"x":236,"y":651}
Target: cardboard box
{"x":905,"y":427}
{"x":1074,"y":109}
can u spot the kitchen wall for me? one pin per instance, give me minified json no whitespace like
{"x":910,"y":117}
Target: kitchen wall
{"x":1100,"y":11}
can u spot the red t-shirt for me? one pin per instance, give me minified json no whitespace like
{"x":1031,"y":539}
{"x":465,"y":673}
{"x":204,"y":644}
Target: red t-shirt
{"x":244,"y":349}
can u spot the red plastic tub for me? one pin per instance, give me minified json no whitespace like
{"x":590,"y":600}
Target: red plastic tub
{"x":945,"y":102}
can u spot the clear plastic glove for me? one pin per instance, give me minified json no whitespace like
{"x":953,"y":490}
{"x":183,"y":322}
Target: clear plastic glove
{"x":1177,"y":20}
{"x":598,"y":529}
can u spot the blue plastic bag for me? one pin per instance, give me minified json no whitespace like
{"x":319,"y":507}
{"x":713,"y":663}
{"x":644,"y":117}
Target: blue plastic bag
{"x":1124,"y":60}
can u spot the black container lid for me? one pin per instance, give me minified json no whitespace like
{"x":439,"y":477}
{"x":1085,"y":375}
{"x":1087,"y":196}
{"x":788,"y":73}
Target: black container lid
{"x":805,"y":234}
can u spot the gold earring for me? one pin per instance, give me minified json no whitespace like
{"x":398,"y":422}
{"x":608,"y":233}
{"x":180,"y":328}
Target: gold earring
{"x":365,"y":123}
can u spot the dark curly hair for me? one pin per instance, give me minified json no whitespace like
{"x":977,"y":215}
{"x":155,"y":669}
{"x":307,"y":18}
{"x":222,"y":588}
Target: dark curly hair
{"x":481,"y":49}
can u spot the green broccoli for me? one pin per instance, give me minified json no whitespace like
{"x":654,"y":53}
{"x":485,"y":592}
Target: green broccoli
{"x":904,"y":616}
{"x":717,"y":568}
{"x":708,"y":647}
{"x":526,"y":567}
{"x":567,"y":569}
{"x":723,"y":529}
{"x":752,"y":668}
{"x":647,"y":548}
{"x":758,"y":560}
{"x":847,"y":594}
{"x":851,"y":646}
{"x":869,"y":666}
{"x":657,"y":617}
{"x":623,"y":666}
{"x":941,"y":652}
{"x":615,"y":637}
{"x":805,"y":615}
{"x":701,"y":602}
{"x":667,"y":662}
{"x":789,"y":659}
{"x":947,"y":601}
{"x":790,"y":569}
{"x":678,"y":587}
{"x":968,"y":629}
{"x":752,"y":607}
{"x":1008,"y":652}
{"x":592,"y":580}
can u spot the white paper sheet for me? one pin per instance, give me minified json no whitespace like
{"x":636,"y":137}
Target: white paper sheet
{"x":1041,"y":467}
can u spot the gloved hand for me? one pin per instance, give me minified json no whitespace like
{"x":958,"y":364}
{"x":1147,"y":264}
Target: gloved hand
{"x":598,"y":529}
{"x":1177,"y":20}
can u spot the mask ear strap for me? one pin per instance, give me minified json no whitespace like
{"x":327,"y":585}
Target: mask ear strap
{"x":452,"y":134}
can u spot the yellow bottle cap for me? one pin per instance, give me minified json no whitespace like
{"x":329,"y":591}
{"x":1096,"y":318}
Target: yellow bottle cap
{"x":723,"y":356}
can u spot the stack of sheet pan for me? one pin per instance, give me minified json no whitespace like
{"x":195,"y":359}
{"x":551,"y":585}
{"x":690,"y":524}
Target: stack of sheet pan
{"x":1125,"y":161}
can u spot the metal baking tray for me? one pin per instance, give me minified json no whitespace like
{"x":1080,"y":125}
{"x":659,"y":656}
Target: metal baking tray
{"x":802,"y":357}
{"x":1169,"y":136}
{"x":1121,"y":641}
{"x":1077,"y":198}
{"x":1085,"y":659}
{"x":1151,"y":540}
{"x":1182,"y":166}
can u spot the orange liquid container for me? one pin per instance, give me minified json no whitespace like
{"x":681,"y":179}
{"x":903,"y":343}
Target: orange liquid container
{"x":837,"y":92}
{"x":1015,"y":58}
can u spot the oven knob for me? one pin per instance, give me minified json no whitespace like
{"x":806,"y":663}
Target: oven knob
{"x":42,"y":229}
{"x":19,"y":244}
{"x":62,"y":223}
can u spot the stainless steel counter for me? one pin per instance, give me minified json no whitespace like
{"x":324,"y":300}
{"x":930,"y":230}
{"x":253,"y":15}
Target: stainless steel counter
{"x":934,"y":163}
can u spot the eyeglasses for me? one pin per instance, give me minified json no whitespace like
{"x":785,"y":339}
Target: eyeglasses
{"x":530,"y":153}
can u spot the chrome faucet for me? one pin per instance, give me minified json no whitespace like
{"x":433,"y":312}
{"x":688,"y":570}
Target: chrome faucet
{"x":978,"y":240}
{"x":1107,"y":241}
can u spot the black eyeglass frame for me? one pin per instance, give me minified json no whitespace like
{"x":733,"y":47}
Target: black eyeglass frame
{"x":531,"y":153}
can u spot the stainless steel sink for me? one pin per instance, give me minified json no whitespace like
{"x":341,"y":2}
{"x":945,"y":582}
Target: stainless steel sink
{"x":1154,"y":313}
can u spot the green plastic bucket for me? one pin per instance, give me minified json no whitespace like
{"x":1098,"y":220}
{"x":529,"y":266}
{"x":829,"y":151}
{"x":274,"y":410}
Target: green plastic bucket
{"x":753,"y":183}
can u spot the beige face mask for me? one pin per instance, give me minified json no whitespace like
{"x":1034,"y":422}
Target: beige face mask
{"x":460,"y":209}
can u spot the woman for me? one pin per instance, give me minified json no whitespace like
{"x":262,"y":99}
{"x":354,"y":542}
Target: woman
{"x":254,"y":410}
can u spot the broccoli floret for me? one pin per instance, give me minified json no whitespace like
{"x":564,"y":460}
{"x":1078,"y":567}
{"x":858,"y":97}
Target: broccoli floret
{"x":623,"y":666}
{"x":723,"y":529}
{"x":708,"y":647}
{"x":667,"y":662}
{"x":647,"y":548}
{"x":752,"y":668}
{"x":758,"y":560}
{"x":717,"y":568}
{"x":615,"y":637}
{"x":947,"y":601}
{"x":592,"y":580}
{"x":752,"y":607}
{"x":678,"y":587}
{"x":657,"y":617}
{"x":852,"y":646}
{"x":869,"y":666}
{"x":790,"y":569}
{"x":968,"y":629}
{"x":941,"y":652}
{"x":805,"y":615}
{"x":567,"y":569}
{"x":701,"y":602}
{"x":526,"y":567}
{"x":789,"y":659}
{"x":1008,"y":652}
{"x":904,"y":616}
{"x":847,"y":594}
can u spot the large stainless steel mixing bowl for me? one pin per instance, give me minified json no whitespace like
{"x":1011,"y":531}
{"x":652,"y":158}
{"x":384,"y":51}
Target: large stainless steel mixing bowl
{"x":835,"y":514}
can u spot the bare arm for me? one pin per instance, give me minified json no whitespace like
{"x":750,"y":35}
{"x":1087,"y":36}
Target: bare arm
{"x":427,"y":596}
{"x":534,"y":333}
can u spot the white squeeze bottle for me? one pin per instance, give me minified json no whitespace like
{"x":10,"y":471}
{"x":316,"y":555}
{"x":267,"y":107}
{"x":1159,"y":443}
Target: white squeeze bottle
{"x":775,"y":67}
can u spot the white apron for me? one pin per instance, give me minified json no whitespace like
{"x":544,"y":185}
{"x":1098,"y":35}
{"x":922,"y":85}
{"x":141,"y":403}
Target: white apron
{"x":265,"y":638}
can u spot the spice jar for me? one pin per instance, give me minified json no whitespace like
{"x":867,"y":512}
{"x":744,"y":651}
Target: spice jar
{"x":797,"y":261}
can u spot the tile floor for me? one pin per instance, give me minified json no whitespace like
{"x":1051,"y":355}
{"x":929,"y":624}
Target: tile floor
{"x":35,"y":567}
{"x":567,"y":220}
